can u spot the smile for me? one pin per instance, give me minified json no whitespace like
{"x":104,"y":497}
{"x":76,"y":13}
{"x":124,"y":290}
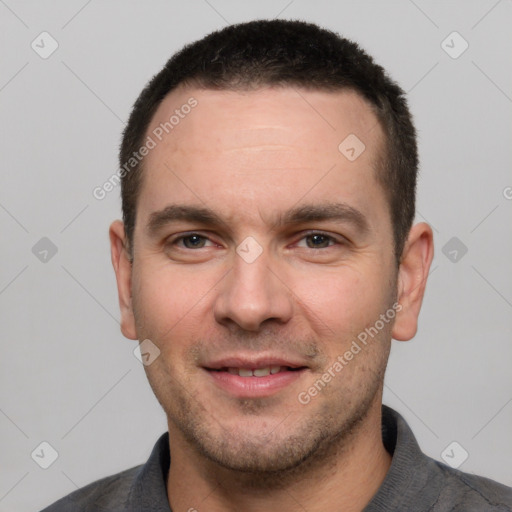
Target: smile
{"x":254,"y":380}
{"x":256,"y":372}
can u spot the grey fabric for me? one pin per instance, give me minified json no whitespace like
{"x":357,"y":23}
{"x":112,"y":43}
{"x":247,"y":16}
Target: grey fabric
{"x":414,"y":482}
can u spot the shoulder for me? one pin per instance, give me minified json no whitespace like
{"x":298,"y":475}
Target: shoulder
{"x":109,"y":493}
{"x":416,"y":481}
{"x":467,"y":492}
{"x":142,"y":487}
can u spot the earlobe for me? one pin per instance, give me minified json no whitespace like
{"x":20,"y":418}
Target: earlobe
{"x":123,"y":270}
{"x":412,"y":279}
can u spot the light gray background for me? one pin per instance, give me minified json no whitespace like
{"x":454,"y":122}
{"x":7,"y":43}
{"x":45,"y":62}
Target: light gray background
{"x":69,"y":377}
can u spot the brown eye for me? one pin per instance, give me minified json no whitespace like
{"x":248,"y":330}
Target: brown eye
{"x":193,"y":241}
{"x":318,"y":241}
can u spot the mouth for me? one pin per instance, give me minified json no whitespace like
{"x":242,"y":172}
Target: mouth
{"x":257,"y":372}
{"x":253,"y":379}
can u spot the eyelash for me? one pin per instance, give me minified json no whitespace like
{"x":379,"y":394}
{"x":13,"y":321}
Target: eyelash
{"x":334,"y":240}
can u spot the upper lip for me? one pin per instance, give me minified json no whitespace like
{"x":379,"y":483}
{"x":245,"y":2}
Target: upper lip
{"x":253,"y":362}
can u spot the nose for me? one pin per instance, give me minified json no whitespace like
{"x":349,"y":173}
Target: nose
{"x":253,"y":294}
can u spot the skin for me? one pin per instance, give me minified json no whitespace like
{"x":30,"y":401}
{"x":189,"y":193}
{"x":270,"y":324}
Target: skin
{"x":250,"y":157}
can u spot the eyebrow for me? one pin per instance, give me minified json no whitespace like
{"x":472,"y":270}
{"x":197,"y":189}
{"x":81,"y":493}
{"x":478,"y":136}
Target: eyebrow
{"x":176,"y":212}
{"x":299,"y":215}
{"x":341,"y":212}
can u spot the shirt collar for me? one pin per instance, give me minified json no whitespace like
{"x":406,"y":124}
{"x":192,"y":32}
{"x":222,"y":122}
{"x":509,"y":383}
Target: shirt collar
{"x":149,"y":489}
{"x":411,"y":474}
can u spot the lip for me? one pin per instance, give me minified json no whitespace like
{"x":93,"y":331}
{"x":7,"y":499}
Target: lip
{"x":254,"y":387}
{"x":253,"y":362}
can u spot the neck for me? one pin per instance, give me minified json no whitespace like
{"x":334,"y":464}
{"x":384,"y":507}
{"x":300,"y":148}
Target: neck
{"x":348,"y":476}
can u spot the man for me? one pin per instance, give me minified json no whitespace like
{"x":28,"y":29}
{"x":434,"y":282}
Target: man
{"x":266,"y":259}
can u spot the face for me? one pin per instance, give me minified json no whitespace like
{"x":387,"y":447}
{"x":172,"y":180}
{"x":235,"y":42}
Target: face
{"x":261,"y":253}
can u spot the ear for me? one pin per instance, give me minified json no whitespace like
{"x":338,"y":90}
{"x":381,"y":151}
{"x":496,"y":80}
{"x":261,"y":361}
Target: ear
{"x":123,"y":269}
{"x":412,"y":279}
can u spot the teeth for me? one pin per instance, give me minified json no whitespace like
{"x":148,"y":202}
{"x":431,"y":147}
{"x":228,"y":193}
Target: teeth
{"x":262,"y":372}
{"x":257,"y":372}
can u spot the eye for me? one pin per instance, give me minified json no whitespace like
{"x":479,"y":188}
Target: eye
{"x":317,"y":241}
{"x":191,"y":241}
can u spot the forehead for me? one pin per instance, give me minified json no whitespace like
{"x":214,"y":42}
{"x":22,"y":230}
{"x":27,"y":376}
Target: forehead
{"x":271,"y":145}
{"x":262,"y":116}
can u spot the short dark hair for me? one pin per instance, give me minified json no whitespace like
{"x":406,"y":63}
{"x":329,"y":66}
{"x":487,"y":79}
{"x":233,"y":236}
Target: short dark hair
{"x":284,"y":53}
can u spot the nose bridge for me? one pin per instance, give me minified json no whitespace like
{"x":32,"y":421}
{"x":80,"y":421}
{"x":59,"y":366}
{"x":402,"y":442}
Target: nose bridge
{"x":252,"y":294}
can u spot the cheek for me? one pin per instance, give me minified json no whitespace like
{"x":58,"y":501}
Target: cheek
{"x":172,"y":305}
{"x":341,"y":302}
{"x":162,"y":299}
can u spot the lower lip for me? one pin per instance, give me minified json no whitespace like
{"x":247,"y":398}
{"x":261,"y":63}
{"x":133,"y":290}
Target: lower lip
{"x":254,"y":387}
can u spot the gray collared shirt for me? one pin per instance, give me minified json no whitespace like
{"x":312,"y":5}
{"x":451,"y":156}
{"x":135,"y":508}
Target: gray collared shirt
{"x":414,"y":482}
